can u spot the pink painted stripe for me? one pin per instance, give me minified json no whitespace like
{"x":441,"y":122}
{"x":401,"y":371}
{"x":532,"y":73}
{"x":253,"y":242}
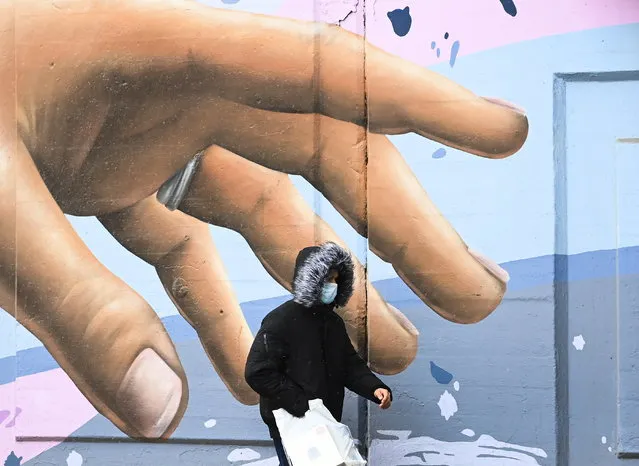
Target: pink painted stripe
{"x":49,"y":405}
{"x":478,"y":25}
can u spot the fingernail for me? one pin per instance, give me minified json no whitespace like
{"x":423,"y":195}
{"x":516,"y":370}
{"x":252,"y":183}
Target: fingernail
{"x":149,"y":395}
{"x":490,"y":265}
{"x":403,"y":321}
{"x":505,"y":103}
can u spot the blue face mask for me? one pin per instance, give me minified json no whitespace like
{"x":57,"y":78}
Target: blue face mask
{"x":329,"y":291}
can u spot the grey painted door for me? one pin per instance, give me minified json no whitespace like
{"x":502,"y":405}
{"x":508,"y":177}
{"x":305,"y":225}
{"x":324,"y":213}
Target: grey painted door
{"x":597,"y":302}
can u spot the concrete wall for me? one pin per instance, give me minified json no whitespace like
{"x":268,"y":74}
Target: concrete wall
{"x":518,"y":387}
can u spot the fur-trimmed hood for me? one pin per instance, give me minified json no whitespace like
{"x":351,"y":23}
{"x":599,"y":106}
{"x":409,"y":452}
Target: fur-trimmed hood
{"x":311,"y":269}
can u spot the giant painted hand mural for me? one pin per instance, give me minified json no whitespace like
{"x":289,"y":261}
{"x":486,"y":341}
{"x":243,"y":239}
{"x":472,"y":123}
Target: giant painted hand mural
{"x":111,"y":99}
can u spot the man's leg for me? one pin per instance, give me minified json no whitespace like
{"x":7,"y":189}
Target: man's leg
{"x":281,"y":455}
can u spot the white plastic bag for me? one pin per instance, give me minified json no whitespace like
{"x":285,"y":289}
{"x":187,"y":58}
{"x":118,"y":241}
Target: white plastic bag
{"x":317,"y":439}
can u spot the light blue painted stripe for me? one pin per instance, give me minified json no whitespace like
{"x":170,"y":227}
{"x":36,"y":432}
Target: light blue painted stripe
{"x":526,"y":273}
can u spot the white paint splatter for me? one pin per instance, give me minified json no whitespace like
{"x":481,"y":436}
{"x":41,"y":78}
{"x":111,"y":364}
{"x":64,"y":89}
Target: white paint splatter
{"x":272,"y":461}
{"x":604,"y":440}
{"x":447,"y":405}
{"x":456,"y":386}
{"x":210,"y":423}
{"x":336,"y":11}
{"x":468,"y":432}
{"x":578,"y":342}
{"x":74,"y":459}
{"x":243,"y":454}
{"x":609,"y":448}
{"x":485,"y":451}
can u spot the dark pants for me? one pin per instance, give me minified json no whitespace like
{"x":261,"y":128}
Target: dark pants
{"x":279,"y":448}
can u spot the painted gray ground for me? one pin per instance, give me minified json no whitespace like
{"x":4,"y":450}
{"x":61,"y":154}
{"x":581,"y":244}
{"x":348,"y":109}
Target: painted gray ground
{"x":505,"y":380}
{"x":505,"y":370}
{"x":504,"y":367}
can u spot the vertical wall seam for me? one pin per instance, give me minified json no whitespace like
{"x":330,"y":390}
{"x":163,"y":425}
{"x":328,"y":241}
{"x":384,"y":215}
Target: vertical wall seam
{"x":365,"y":440}
{"x":15,"y":216}
{"x":317,"y":122}
{"x":560,"y":279}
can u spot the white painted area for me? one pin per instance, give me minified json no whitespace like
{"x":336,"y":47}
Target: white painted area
{"x":578,"y":342}
{"x":334,"y":11}
{"x":243,"y":454}
{"x":604,"y":440}
{"x":609,"y":448}
{"x":456,"y":386}
{"x":468,"y":432}
{"x":272,"y":461}
{"x":210,"y":423}
{"x":447,"y":405}
{"x":74,"y":459}
{"x":485,"y":451}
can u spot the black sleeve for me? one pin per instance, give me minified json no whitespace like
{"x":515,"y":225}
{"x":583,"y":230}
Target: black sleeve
{"x":265,"y":374}
{"x":359,"y":378}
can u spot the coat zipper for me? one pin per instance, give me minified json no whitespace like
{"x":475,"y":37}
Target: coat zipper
{"x":324,"y":338}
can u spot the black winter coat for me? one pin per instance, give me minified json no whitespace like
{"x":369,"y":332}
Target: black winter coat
{"x":302,"y":350}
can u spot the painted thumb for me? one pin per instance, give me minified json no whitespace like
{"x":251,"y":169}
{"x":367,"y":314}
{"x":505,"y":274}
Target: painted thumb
{"x":116,"y":350}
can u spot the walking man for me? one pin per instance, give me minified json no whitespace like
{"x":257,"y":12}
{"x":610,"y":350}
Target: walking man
{"x":302,"y":350}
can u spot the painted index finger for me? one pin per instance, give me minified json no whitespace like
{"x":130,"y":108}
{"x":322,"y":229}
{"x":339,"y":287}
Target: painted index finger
{"x":294,"y":66}
{"x":282,"y":65}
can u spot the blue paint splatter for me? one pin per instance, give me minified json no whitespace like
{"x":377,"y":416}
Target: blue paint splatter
{"x":446,"y":36}
{"x":454,"y":50}
{"x":433,"y":44}
{"x":439,"y":154}
{"x":440,"y":375}
{"x":509,"y":7}
{"x":13,"y":460}
{"x":439,"y":52}
{"x":401,"y":21}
